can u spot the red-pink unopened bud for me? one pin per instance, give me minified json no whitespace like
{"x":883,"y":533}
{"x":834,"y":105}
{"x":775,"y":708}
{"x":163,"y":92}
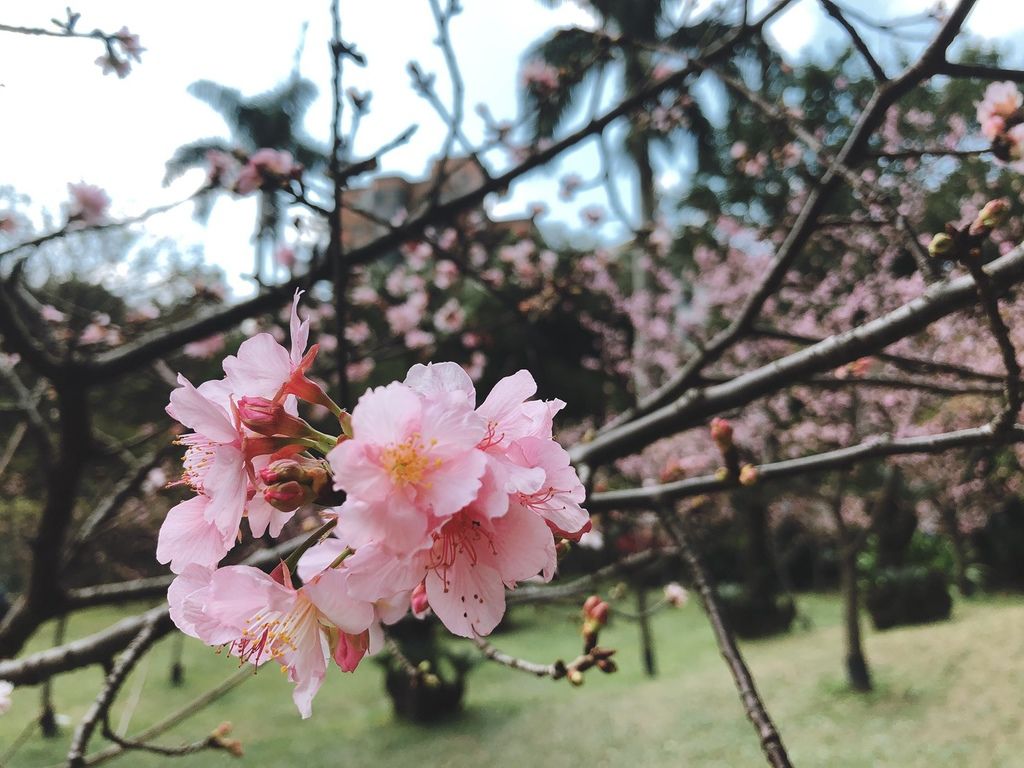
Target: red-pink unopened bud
{"x":281,"y":471}
{"x":595,"y":611}
{"x":288,"y":496}
{"x":267,"y":417}
{"x":721,"y":432}
{"x":418,"y":600}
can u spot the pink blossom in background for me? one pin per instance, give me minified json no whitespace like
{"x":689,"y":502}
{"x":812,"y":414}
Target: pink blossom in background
{"x":357,"y":333}
{"x":477,"y":364}
{"x":129,"y":43}
{"x":6,"y":689}
{"x":1000,"y":101}
{"x":540,"y":76}
{"x":113,"y":65}
{"x":205,"y":348}
{"x":417,"y":338}
{"x":221,"y":167}
{"x":285,"y":256}
{"x":266,"y":166}
{"x":361,"y":369}
{"x":676,"y":594}
{"x":89,"y":204}
{"x":51,"y":314}
{"x":450,"y":317}
{"x":592,"y":214}
{"x":568,"y":186}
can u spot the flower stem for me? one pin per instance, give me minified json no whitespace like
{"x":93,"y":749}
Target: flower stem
{"x":314,"y":538}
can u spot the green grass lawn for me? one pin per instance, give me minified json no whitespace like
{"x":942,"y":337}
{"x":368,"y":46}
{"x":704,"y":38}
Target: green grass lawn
{"x":948,"y":694}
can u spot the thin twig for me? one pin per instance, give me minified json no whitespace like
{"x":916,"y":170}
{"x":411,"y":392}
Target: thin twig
{"x":771,"y":741}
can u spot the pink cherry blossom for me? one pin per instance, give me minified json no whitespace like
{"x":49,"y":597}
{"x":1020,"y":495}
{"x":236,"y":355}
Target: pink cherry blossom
{"x":129,"y":43}
{"x":206,"y":348}
{"x":263,"y":368}
{"x":262,"y":618}
{"x":540,"y":76}
{"x":412,"y":463}
{"x":510,"y":416}
{"x":468,"y":565}
{"x":266,"y":167}
{"x":215,"y":460}
{"x":1000,"y":101}
{"x":187,"y":537}
{"x":89,"y":204}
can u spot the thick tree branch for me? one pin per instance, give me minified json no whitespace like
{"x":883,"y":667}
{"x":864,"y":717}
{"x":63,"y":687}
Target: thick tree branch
{"x":644,"y":497}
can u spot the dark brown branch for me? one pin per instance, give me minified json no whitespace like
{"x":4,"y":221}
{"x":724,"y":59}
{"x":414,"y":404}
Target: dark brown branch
{"x":836,"y":13}
{"x":43,"y":592}
{"x":990,"y":303}
{"x":980,"y":72}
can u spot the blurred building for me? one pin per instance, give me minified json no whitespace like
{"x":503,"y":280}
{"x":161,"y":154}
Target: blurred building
{"x":392,"y":198}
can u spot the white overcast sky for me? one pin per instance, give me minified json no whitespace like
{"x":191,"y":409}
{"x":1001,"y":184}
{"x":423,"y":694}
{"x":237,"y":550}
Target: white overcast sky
{"x":62,"y":121}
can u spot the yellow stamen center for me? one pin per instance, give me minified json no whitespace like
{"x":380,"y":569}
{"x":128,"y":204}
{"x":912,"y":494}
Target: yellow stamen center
{"x":407,"y":461}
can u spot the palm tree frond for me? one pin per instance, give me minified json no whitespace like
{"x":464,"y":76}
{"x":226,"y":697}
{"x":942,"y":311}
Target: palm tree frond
{"x":192,"y":155}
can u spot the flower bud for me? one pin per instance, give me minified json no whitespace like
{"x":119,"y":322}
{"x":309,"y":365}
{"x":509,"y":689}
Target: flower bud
{"x":292,"y":483}
{"x":289,"y":496}
{"x":676,"y":594}
{"x":219,"y":738}
{"x":941,"y":246}
{"x":991,"y":216}
{"x":281,"y":471}
{"x":267,"y":417}
{"x":418,"y":600}
{"x":748,"y":474}
{"x":721,"y":433}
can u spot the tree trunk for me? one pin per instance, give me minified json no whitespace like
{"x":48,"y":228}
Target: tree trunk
{"x":952,"y":528}
{"x":762,"y":580}
{"x":857,"y":672}
{"x":48,"y":716}
{"x":646,"y":637}
{"x":639,"y":149}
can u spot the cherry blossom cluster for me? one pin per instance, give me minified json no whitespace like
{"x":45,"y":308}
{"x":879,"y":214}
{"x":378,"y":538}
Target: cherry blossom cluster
{"x":1001,"y":114}
{"x":243,"y":174}
{"x":122,"y":47}
{"x":432,"y":502}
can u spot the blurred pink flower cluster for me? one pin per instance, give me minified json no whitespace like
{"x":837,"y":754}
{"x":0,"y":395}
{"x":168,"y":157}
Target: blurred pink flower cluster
{"x":1001,"y":115}
{"x":243,"y":174}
